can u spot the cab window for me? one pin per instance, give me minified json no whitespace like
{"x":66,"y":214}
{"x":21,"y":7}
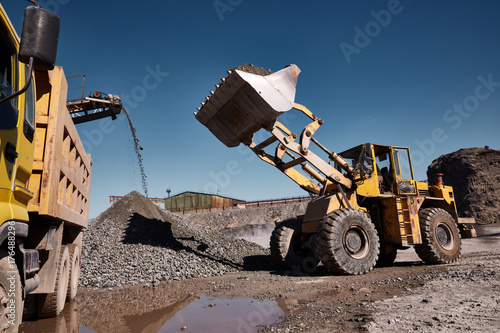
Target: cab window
{"x":8,"y":111}
{"x":384,"y":169}
{"x":402,"y":163}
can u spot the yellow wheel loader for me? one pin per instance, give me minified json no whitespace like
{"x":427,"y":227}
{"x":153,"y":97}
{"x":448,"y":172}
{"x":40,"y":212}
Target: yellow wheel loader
{"x":365,"y":202}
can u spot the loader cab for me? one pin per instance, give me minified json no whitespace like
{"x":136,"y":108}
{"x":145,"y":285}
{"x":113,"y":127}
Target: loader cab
{"x":381,"y":170}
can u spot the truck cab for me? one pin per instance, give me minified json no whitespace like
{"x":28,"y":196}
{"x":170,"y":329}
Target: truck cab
{"x":29,"y":247}
{"x":17,"y":128}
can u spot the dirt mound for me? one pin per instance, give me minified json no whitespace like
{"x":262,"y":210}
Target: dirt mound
{"x":134,"y":241}
{"x":474,"y":174}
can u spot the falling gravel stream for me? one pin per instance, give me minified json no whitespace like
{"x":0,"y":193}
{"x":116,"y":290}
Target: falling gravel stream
{"x":138,"y":149}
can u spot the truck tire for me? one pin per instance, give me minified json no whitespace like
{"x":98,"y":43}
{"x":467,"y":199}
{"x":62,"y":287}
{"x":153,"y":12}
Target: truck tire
{"x":74,"y":271}
{"x":441,"y":243}
{"x":347,"y":242}
{"x":10,"y":291}
{"x":286,"y":247}
{"x":50,"y":305}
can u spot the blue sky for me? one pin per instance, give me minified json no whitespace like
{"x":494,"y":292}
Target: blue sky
{"x":422,"y":74}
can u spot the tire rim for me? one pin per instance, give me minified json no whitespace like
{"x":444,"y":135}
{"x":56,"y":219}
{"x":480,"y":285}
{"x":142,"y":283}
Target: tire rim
{"x":444,"y":236}
{"x":356,"y":242}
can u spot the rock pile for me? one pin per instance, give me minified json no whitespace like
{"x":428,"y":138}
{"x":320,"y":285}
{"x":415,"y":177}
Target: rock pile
{"x":474,"y":174}
{"x":134,"y":241}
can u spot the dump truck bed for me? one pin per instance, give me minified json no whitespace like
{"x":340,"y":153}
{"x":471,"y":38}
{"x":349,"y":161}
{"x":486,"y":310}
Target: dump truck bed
{"x":61,"y":169}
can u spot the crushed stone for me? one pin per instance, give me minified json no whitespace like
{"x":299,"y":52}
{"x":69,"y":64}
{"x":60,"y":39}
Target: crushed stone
{"x":134,"y":241}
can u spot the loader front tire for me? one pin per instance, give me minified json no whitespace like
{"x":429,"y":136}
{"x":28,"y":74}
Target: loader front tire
{"x":51,"y":305}
{"x":347,"y":242}
{"x":441,"y":243}
{"x":286,"y":248}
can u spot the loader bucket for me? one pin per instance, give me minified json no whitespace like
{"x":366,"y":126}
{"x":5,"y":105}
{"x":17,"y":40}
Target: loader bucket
{"x":243,"y":103}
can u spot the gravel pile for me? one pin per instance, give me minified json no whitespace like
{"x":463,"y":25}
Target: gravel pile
{"x":474,"y":174}
{"x":134,"y":241}
{"x":249,"y":68}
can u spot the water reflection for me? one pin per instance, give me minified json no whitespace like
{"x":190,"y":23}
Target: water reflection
{"x":162,"y":309}
{"x":215,"y":315}
{"x":67,"y":321}
{"x":133,"y":310}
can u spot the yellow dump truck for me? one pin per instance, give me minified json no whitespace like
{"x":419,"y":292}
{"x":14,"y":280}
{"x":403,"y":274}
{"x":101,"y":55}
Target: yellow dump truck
{"x":44,"y":174}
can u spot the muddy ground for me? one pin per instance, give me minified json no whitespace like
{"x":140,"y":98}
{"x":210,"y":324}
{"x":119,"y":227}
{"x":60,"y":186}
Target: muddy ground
{"x":408,"y":297}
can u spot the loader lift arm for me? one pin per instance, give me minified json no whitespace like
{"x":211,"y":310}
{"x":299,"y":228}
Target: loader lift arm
{"x":299,"y":153}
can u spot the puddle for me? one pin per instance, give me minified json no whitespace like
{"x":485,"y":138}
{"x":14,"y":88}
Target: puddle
{"x":67,"y":321}
{"x":215,"y":315}
{"x":190,"y":314}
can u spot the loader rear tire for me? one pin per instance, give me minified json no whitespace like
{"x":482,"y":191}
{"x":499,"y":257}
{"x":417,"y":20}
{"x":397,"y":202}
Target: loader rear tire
{"x":441,"y":243}
{"x":11,"y":295}
{"x":286,"y":248}
{"x":74,"y":271}
{"x":51,"y":305}
{"x":347,"y":242}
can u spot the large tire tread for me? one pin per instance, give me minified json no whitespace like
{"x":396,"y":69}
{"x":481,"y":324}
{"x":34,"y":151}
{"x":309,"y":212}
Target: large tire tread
{"x":329,"y":246}
{"x":430,"y":251}
{"x":283,"y":244}
{"x":47,"y":304}
{"x":74,"y":268}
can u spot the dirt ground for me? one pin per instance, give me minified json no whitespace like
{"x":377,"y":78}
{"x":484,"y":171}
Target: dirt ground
{"x":408,"y":297}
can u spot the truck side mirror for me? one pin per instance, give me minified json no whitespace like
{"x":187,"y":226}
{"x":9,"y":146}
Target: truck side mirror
{"x":38,"y":42}
{"x":39,"y":37}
